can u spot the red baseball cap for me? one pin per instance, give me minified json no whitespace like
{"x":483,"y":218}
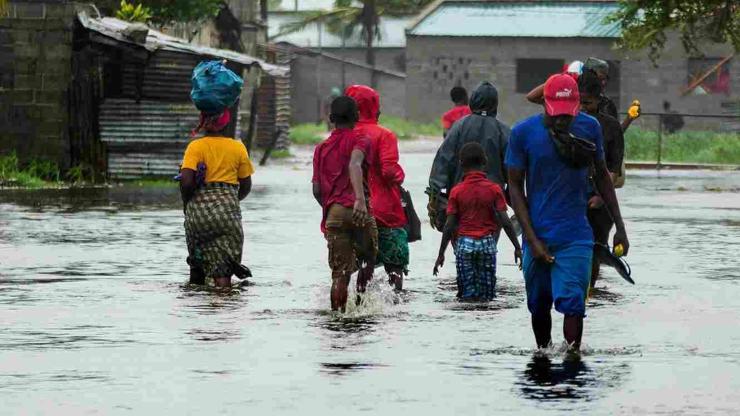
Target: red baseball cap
{"x":561,"y":96}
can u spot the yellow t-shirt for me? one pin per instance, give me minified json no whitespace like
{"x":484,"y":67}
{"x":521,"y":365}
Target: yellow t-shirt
{"x":226,"y":159}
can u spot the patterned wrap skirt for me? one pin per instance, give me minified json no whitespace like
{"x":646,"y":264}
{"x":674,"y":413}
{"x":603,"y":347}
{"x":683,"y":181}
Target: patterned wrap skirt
{"x":393,"y":248}
{"x":213,"y":229}
{"x":476,"y":268}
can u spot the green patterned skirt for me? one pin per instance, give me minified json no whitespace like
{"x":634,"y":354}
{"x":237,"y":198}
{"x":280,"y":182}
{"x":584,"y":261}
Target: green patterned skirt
{"x":213,"y":230}
{"x":393,"y":248}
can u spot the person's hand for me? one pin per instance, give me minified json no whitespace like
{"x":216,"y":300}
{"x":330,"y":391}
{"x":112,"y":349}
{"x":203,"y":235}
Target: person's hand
{"x":539,"y":252}
{"x":439,"y":263}
{"x":432,"y":212}
{"x":595,"y":202}
{"x":518,"y":257}
{"x":620,"y":237}
{"x":359,"y":213}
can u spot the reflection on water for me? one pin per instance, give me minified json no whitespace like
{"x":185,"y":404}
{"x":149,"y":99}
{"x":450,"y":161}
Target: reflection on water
{"x":569,"y":379}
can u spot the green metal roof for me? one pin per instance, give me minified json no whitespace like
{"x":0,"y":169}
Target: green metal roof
{"x":525,"y":19}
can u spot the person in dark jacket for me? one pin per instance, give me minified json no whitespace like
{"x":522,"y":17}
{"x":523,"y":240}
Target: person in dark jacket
{"x":589,"y":86}
{"x":482,"y":127}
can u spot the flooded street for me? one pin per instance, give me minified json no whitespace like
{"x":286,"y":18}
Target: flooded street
{"x":95,"y":315}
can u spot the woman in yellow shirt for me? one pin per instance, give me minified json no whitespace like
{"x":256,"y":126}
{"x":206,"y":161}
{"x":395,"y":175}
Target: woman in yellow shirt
{"x":216,"y":175}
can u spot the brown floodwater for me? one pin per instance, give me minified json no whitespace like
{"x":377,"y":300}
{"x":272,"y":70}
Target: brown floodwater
{"x":95,"y":315}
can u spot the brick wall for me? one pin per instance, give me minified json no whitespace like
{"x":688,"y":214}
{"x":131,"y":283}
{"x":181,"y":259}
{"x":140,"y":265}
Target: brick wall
{"x":35,"y":62}
{"x":494,"y":59}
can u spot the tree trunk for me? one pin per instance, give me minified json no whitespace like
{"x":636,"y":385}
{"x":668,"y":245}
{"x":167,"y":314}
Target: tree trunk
{"x":370,"y":17}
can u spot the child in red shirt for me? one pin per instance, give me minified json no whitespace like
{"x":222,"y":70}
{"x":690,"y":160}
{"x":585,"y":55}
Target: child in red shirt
{"x":475,"y":214}
{"x":461,"y":109}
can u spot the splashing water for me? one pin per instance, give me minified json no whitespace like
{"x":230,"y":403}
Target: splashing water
{"x":379,"y":299}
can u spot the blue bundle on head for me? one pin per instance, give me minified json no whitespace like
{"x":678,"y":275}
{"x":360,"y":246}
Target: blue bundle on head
{"x":215,"y":87}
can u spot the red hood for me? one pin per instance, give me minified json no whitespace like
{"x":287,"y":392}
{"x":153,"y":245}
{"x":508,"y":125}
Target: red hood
{"x":368,"y":101}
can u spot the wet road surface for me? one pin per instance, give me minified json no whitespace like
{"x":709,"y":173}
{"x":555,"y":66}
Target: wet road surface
{"x":96,"y":318}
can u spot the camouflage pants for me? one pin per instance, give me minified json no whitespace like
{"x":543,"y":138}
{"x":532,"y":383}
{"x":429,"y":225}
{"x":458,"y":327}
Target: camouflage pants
{"x":213,"y":229}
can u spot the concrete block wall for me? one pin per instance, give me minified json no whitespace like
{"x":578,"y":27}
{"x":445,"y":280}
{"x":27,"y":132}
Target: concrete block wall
{"x":311,"y":86}
{"x":35,"y":62}
{"x":494,"y":59}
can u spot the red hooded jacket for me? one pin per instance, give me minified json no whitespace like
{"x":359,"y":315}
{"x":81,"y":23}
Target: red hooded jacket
{"x":385,"y":175}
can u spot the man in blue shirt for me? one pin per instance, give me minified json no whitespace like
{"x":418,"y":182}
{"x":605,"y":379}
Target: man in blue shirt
{"x":558,"y":239}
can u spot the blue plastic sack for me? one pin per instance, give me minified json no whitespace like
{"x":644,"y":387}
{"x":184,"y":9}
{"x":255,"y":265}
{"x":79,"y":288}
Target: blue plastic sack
{"x":215,"y":87}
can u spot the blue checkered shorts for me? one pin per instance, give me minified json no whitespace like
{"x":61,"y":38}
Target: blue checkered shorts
{"x":476,"y":268}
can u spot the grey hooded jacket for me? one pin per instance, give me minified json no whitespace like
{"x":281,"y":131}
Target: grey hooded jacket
{"x":482,"y":127}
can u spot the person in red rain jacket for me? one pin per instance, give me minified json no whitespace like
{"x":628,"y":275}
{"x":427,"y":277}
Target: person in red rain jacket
{"x":385,"y":177}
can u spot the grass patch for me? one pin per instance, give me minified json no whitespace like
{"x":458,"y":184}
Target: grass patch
{"x":311,"y":133}
{"x":307,"y":133}
{"x":35,"y":174}
{"x":683,"y":147}
{"x":406,"y":129}
{"x":280,"y":154}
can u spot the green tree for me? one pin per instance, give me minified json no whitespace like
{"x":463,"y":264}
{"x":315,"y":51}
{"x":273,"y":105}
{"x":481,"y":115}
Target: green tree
{"x":645,"y":23}
{"x":357,"y":18}
{"x":185,"y":11}
{"x":133,"y":13}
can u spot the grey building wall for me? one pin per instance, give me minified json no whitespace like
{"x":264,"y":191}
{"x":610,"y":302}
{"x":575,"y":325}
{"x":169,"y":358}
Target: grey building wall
{"x":35,"y":67}
{"x":494,"y":59}
{"x":312,"y":82}
{"x":385,"y":58}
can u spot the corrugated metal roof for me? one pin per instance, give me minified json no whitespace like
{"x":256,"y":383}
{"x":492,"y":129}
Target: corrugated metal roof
{"x":392,"y":33}
{"x":115,"y":29}
{"x":525,"y":19}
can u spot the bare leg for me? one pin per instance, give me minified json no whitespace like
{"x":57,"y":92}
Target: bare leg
{"x":573,"y":331}
{"x":542,"y":326}
{"x":197,"y":277}
{"x":395,"y":276}
{"x":339,"y":292}
{"x":224,"y":282}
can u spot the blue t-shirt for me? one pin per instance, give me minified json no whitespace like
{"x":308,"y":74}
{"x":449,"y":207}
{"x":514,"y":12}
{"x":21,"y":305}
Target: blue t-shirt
{"x":557,"y":194}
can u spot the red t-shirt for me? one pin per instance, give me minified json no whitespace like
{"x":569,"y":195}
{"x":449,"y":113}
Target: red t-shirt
{"x":331,"y":168}
{"x":473,"y":200}
{"x":456,"y":113}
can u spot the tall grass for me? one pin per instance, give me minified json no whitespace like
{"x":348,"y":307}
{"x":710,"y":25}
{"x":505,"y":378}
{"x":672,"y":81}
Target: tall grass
{"x":35,"y":175}
{"x":686,"y":147}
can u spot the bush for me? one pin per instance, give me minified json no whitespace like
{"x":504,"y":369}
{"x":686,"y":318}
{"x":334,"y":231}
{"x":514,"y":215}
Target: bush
{"x":688,"y":146}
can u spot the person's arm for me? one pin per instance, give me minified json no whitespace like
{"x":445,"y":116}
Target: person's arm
{"x":508,"y":227}
{"x":388,"y":155}
{"x":187,"y":186}
{"x":317,"y":192}
{"x":244,"y":173}
{"x":445,"y":162}
{"x":245,"y":187}
{"x":519,"y":203}
{"x":537,"y":95}
{"x":626,"y":123}
{"x":447,"y":233}
{"x":316,"y":177}
{"x":606,"y":189}
{"x":359,"y":212}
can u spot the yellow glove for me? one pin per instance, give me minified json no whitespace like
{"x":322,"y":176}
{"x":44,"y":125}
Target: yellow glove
{"x":634,"y":110}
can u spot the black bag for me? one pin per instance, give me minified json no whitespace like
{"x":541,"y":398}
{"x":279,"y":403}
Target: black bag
{"x":576,"y":152}
{"x":413,"y":224}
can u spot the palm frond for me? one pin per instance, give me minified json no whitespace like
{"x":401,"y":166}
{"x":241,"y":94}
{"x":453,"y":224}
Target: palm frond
{"x":314,"y":17}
